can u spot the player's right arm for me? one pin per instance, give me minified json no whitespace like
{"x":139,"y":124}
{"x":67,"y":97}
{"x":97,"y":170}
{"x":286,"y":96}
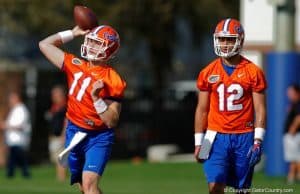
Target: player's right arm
{"x":50,"y":46}
{"x":201,"y":120}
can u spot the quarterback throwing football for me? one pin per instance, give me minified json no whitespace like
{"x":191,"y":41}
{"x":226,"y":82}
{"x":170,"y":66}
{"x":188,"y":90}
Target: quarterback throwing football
{"x":94,"y":100}
{"x":230,"y":114}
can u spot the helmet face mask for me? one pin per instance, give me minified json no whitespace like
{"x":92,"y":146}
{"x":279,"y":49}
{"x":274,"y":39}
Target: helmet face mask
{"x":93,"y":49}
{"x":228,"y":38}
{"x":100,"y":44}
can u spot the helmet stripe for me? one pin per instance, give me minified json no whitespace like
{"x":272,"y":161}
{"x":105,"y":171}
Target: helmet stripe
{"x":226,"y":25}
{"x":97,"y":29}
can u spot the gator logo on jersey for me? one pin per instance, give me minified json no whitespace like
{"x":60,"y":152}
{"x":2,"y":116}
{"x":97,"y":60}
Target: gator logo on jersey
{"x":213,"y":78}
{"x":76,"y":61}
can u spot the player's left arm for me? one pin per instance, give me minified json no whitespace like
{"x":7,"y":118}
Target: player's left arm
{"x":111,"y":116}
{"x":108,"y":110}
{"x":259,"y":103}
{"x":255,"y":151}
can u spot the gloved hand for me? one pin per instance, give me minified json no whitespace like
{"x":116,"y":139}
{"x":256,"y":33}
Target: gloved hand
{"x":254,"y":153}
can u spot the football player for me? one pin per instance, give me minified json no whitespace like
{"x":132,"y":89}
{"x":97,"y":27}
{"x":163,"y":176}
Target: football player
{"x":230,"y":115}
{"x":94,"y":99}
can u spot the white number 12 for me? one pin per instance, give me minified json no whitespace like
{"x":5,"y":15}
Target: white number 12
{"x":236,"y":92}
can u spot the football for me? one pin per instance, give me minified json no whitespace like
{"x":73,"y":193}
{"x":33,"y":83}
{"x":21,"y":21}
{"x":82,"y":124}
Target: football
{"x":85,"y":18}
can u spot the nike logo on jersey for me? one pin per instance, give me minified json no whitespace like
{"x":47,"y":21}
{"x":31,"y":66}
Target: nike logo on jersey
{"x":240,"y":75}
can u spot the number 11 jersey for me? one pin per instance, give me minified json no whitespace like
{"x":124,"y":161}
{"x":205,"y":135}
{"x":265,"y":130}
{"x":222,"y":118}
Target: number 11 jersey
{"x":80,"y":78}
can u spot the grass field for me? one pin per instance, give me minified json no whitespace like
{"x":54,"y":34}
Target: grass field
{"x":144,"y":178}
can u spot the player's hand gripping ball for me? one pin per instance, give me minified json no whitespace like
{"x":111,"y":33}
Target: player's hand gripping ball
{"x":85,"y":18}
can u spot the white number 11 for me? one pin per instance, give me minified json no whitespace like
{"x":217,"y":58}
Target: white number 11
{"x":84,"y":85}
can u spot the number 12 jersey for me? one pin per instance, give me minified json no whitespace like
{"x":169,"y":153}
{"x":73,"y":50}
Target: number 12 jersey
{"x":231,"y":104}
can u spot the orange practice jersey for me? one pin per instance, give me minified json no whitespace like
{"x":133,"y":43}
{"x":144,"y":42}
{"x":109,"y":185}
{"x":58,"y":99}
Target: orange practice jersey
{"x":80,"y":78}
{"x":231,"y":104}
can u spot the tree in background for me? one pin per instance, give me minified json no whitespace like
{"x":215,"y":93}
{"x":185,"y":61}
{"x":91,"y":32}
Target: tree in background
{"x":153,"y":21}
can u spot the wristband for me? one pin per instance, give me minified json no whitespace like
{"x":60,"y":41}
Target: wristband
{"x":198,"y":139}
{"x":100,"y":106}
{"x":259,"y":133}
{"x":66,"y":36}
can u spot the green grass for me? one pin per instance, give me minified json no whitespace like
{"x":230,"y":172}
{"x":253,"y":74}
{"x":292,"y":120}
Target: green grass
{"x":129,"y":178}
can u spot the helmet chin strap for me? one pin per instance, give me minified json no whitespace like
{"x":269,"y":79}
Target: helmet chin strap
{"x":90,"y":57}
{"x":100,"y":55}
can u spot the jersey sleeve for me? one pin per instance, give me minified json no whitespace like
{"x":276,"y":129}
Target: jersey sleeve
{"x":202,"y":81}
{"x":115,"y":87}
{"x":67,"y":62}
{"x":259,"y":81}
